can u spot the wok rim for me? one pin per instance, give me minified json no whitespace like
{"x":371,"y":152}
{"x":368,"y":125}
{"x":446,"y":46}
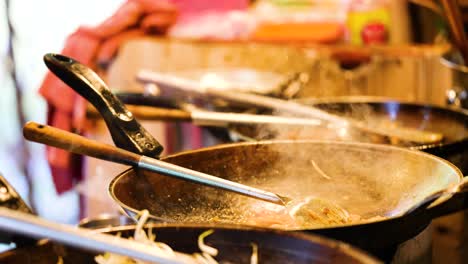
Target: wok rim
{"x":454,"y":168}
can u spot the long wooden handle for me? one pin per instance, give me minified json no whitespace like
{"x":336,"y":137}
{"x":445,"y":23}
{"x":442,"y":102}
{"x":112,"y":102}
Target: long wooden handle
{"x":80,"y":145}
{"x":74,"y":143}
{"x":150,"y":113}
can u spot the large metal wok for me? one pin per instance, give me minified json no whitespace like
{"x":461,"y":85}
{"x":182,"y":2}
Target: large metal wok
{"x":366,"y":179}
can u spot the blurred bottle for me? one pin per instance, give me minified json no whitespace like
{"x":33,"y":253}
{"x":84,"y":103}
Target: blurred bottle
{"x":368,"y":22}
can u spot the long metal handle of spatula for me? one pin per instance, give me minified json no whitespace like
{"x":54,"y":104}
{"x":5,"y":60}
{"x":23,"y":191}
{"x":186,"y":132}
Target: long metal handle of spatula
{"x":80,"y":145}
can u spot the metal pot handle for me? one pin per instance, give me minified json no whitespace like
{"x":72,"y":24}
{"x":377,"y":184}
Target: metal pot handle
{"x":125,"y":130}
{"x":449,"y":201}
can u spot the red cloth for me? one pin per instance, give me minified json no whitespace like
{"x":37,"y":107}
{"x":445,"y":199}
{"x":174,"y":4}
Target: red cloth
{"x":95,"y":46}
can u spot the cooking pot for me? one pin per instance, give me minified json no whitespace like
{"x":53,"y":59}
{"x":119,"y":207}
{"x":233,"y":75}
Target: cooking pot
{"x":232,"y":242}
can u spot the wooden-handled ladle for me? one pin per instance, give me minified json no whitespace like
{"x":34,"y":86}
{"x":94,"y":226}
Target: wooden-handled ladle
{"x":80,"y":145}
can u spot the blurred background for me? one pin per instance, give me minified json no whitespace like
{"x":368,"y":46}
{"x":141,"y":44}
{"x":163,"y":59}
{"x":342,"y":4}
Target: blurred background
{"x":398,"y":57}
{"x":386,"y":48}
